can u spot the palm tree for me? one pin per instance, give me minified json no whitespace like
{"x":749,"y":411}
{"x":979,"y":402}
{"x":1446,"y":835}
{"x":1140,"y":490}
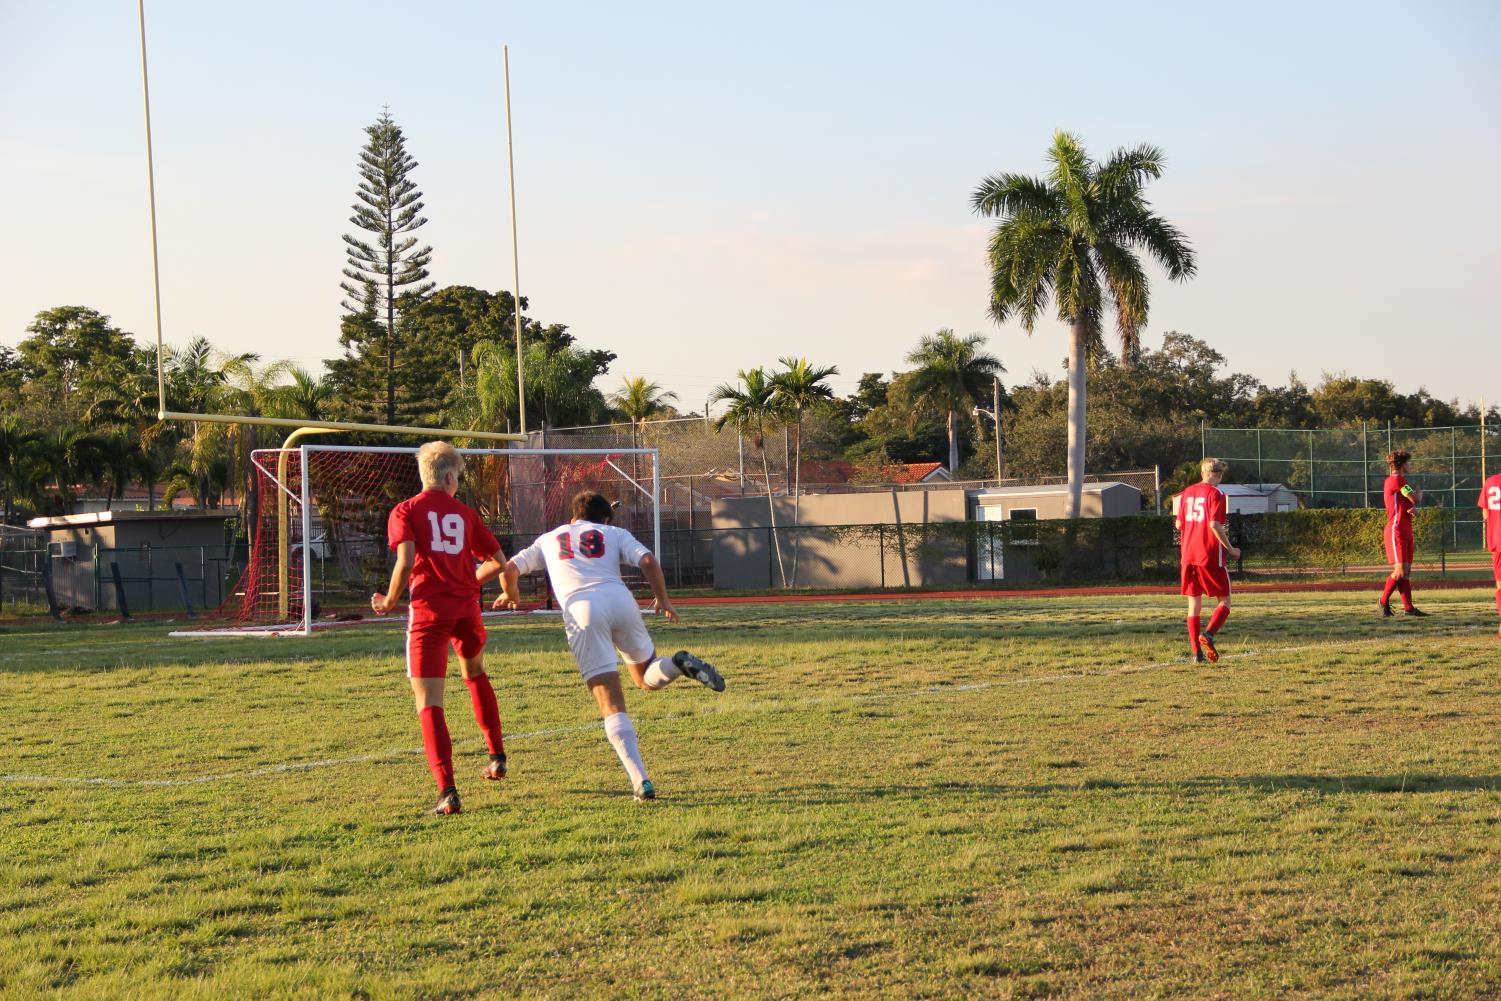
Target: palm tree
{"x":20,"y":450}
{"x":799,"y":388}
{"x":952,"y":373}
{"x":307,"y":397}
{"x":1073,"y":236}
{"x":752,"y":409}
{"x":639,"y":399}
{"x":73,"y":455}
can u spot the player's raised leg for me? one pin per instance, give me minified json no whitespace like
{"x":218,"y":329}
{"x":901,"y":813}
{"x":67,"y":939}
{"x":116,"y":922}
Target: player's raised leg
{"x":1216,"y":622}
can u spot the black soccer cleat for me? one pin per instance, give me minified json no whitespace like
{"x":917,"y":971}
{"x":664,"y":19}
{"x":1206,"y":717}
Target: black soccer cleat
{"x":496,"y":769}
{"x":645,"y":792}
{"x":700,"y":671}
{"x":1415,"y":612}
{"x":1386,"y":609}
{"x":1206,"y":640}
{"x":448,"y":803}
{"x":1199,"y":657}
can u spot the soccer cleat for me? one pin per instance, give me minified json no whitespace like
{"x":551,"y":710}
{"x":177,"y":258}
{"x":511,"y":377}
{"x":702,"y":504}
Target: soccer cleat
{"x":646,"y":791}
{"x":496,"y":769}
{"x":1206,"y":640}
{"x":1199,"y":657}
{"x":1415,"y":612}
{"x":448,"y":803}
{"x":1386,"y":609}
{"x":700,"y":671}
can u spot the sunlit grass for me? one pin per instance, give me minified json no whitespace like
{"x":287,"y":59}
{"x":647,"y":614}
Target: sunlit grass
{"x":1012,"y":798}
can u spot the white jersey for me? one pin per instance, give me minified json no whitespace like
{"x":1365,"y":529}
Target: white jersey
{"x":581,"y":556}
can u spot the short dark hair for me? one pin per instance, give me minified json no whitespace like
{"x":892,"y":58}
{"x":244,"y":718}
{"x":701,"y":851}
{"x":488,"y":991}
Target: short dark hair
{"x":592,"y":506}
{"x":1398,"y":459}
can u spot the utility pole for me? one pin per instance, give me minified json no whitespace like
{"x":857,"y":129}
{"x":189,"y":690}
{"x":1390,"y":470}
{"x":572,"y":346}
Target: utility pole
{"x":1000,"y":465}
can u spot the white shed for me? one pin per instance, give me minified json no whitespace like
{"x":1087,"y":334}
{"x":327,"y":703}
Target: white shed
{"x":1255,"y":498}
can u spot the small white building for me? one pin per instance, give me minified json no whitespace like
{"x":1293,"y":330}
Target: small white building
{"x":1254,"y":498}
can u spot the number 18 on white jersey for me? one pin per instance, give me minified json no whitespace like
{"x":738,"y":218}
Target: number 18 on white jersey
{"x":580,"y":556}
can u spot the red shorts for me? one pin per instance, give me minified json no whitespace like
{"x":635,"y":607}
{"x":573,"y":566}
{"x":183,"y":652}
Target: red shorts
{"x":1201,"y":580}
{"x":1399,"y":544}
{"x":428,"y":640}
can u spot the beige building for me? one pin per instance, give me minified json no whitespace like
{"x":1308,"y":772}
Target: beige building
{"x":889,"y":538}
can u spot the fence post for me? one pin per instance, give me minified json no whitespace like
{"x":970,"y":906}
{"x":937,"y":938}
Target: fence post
{"x":1260,"y":478}
{"x":114,"y":570}
{"x":881,"y":552}
{"x":1311,"y":488}
{"x":182,"y":582}
{"x":150,"y":596}
{"x":203,"y":573}
{"x":771,"y":559}
{"x":1454,"y":482}
{"x":1365,"y":464}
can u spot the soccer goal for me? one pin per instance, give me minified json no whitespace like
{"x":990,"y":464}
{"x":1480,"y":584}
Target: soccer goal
{"x":317,"y":519}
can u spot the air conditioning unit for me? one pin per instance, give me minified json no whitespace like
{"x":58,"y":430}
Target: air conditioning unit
{"x":65,"y":550}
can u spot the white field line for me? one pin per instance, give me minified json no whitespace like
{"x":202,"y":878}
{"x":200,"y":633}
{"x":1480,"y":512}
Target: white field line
{"x":978,"y":686}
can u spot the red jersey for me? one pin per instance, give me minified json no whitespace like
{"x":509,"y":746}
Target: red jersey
{"x":1490,"y":503}
{"x":1199,"y":507}
{"x":450,"y":539}
{"x":1398,"y":505}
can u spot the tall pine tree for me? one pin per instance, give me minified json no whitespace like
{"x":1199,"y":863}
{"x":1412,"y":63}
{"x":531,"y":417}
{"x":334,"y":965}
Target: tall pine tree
{"x":387,"y":273}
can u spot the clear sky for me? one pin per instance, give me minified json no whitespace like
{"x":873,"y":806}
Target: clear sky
{"x":705,"y":187}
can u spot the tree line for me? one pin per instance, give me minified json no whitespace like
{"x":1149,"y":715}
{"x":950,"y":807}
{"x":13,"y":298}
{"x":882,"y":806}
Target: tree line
{"x":78,"y":395}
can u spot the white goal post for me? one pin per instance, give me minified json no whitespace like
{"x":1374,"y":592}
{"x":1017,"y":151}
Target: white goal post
{"x":317,"y":519}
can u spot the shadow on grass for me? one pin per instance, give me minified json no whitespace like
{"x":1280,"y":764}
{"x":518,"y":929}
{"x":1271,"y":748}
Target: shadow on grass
{"x":824,"y":794}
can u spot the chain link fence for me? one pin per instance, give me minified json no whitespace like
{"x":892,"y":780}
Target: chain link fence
{"x":1347,"y":468}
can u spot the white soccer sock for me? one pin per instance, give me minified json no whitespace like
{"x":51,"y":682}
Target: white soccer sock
{"x":661,"y":673}
{"x":623,"y":738}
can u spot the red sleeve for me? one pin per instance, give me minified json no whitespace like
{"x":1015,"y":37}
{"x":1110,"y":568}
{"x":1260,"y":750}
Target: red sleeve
{"x":398,"y":528}
{"x":482,"y":542}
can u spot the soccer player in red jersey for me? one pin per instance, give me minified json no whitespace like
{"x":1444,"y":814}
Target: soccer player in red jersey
{"x":1490,"y":503}
{"x":1204,"y":529}
{"x":1401,"y":498}
{"x":438,"y":540}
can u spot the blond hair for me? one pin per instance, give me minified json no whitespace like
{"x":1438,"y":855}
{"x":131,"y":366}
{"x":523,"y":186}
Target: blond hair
{"x":435,"y":461}
{"x":1212,"y":466}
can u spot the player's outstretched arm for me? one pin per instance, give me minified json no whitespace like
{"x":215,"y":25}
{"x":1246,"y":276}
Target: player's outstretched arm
{"x":406,"y":555}
{"x":652,"y":571}
{"x":488,"y":570}
{"x":510,"y":587}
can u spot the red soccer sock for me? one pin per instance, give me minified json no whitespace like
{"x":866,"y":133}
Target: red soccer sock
{"x":438,"y":745}
{"x":486,"y":712}
{"x":1404,"y":587}
{"x":1217,"y":620}
{"x":1193,"y":632}
{"x":1386,"y":592}
{"x":1498,"y":599}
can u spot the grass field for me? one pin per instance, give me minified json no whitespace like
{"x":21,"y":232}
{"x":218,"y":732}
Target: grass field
{"x":1012,"y":798}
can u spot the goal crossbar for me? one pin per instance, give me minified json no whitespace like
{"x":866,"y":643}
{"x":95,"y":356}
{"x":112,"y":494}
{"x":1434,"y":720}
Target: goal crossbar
{"x":291,"y":422}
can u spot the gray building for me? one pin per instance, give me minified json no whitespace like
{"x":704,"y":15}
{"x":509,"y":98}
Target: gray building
{"x":146,"y":547}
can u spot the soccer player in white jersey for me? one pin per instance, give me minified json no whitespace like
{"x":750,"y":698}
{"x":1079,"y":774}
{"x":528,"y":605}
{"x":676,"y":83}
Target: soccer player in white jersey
{"x":600,"y":616}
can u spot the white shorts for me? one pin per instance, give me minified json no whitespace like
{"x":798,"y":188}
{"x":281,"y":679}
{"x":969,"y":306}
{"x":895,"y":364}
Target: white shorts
{"x":600,"y":621}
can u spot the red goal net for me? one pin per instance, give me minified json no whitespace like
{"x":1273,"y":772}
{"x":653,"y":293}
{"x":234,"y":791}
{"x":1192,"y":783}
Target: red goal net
{"x":317,"y":517}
